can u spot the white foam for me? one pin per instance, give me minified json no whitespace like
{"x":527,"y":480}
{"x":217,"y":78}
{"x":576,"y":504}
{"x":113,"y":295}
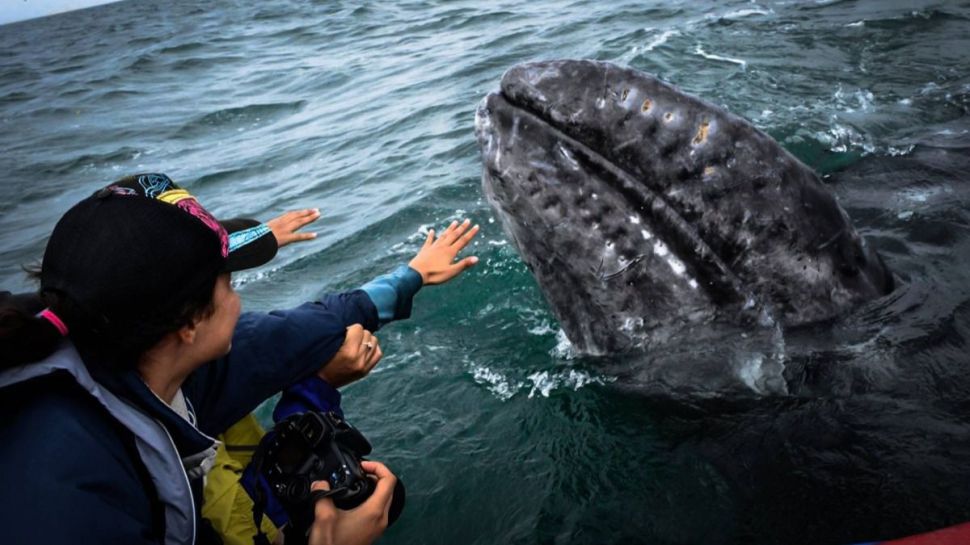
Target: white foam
{"x":564,"y":349}
{"x":924,"y":195}
{"x":740,"y":62}
{"x":660,"y":40}
{"x":495,"y":382}
{"x":544,"y":382}
{"x":747,"y":12}
{"x":905,"y":150}
{"x":541,"y":330}
{"x":841,"y":138}
{"x":929,"y":88}
{"x":751,"y":372}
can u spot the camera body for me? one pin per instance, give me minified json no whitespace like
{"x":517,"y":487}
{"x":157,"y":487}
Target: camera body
{"x":316,"y":446}
{"x":309,"y":447}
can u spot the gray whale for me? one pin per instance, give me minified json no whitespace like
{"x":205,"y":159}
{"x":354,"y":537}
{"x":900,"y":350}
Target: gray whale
{"x":644,"y":212}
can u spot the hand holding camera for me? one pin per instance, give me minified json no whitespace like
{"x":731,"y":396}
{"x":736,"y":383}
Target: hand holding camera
{"x":361,"y":525}
{"x":311,"y":448}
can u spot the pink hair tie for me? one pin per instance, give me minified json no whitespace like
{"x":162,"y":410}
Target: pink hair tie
{"x":49,"y":315}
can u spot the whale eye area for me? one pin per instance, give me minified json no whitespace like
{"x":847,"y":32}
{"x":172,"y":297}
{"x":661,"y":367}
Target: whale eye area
{"x":647,"y":104}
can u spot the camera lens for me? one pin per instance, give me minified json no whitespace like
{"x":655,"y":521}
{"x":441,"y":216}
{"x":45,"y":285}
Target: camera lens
{"x":298,"y":489}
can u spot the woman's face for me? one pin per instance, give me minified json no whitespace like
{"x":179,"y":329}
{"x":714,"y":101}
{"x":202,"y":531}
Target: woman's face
{"x":214,"y":333}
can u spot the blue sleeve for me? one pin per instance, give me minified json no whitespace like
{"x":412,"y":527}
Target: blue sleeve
{"x":392,"y":293}
{"x":271,"y":352}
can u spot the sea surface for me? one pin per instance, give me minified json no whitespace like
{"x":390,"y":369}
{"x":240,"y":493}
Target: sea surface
{"x":502,"y":432}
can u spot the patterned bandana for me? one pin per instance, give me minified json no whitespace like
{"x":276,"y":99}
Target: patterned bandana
{"x":161,"y":187}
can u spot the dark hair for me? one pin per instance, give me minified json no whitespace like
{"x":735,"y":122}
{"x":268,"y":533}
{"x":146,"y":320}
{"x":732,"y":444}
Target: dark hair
{"x":27,"y":338}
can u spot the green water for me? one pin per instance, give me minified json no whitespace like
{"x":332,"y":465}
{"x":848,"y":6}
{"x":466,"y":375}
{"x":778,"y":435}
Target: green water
{"x":501,"y":432}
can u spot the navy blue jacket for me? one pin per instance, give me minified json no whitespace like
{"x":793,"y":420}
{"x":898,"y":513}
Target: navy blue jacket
{"x":71,"y":473}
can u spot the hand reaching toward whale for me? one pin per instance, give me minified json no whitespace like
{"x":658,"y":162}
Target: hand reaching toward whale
{"x":285,"y":227}
{"x":435,"y":261}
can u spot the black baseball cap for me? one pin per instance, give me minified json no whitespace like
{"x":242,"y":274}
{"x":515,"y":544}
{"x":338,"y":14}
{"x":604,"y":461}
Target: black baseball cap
{"x":138,"y":247}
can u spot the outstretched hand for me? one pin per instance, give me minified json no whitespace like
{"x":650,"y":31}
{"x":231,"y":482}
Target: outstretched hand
{"x":436,"y":259}
{"x":285,"y":227}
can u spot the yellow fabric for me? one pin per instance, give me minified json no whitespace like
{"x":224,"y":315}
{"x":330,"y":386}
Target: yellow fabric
{"x":227,"y":505}
{"x":173,"y":196}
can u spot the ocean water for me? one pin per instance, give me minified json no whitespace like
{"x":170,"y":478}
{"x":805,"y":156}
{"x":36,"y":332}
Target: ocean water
{"x":502,"y":432}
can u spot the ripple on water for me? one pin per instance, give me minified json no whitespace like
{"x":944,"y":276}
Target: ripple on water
{"x":239,"y":117}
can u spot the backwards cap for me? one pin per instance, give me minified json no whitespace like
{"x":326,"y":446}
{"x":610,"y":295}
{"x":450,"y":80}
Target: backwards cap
{"x":140,"y":246}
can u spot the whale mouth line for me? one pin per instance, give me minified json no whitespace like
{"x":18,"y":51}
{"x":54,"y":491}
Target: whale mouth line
{"x":716,"y":277}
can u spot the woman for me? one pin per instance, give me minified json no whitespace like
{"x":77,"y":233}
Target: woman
{"x":111,"y":394}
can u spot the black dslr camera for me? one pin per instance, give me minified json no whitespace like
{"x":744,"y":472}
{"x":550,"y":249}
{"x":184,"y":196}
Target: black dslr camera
{"x":309,"y":447}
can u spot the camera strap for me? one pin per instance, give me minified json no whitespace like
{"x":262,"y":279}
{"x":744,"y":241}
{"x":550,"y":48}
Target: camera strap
{"x":259,"y":496}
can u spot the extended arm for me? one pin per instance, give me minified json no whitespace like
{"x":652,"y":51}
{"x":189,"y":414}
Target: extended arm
{"x":391,"y":295}
{"x":270,"y":352}
{"x":273,"y":351}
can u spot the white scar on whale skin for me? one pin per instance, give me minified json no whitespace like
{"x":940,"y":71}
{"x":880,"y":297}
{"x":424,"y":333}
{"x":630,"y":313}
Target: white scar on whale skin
{"x":515,"y":132}
{"x":676,"y":265}
{"x":569,"y":157}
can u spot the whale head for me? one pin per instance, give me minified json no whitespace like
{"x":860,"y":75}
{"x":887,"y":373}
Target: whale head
{"x":644,"y":212}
